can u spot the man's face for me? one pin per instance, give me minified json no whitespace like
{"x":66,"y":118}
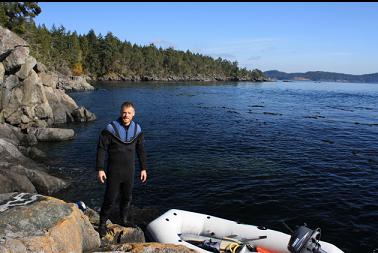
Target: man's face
{"x":127,"y":114}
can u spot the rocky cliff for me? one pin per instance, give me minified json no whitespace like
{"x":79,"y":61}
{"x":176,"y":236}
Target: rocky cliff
{"x":31,"y":96}
{"x":32,"y":100}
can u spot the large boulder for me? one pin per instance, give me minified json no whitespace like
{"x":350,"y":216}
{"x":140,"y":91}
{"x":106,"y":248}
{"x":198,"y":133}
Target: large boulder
{"x":8,"y":41}
{"x":11,"y":182}
{"x":54,"y":134}
{"x":27,"y":67}
{"x":62,"y":105}
{"x":11,"y":134}
{"x":20,"y":173}
{"x":16,"y":58}
{"x":119,"y":234}
{"x":23,"y":178}
{"x":81,"y":114}
{"x":37,"y":223}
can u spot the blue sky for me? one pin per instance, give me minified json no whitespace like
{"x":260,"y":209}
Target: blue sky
{"x":290,"y":37}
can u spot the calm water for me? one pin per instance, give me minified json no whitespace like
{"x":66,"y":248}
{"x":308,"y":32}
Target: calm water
{"x":299,"y":152}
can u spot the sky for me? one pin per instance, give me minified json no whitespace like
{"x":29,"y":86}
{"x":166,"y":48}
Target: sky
{"x":289,"y":37}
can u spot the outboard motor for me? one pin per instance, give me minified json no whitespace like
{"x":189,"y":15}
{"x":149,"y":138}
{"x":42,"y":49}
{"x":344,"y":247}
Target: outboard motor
{"x":305,"y":240}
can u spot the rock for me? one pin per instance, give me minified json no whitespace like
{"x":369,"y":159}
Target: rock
{"x":2,"y":73}
{"x":29,"y":180}
{"x":40,"y":67}
{"x":61,"y":104}
{"x":146,"y":248}
{"x":15,"y":136}
{"x":43,"y":111}
{"x":29,"y":139}
{"x":29,"y":94}
{"x":33,"y":90}
{"x":11,"y":98}
{"x":49,"y":79}
{"x":37,"y":123}
{"x":8,"y":41}
{"x":110,"y":77}
{"x":29,"y":172}
{"x":11,"y":134}
{"x":93,"y":217}
{"x":27,"y":67}
{"x":73,"y":83}
{"x":54,"y":134}
{"x":24,"y":119}
{"x":81,"y":114}
{"x":14,"y":118}
{"x":16,"y":58}
{"x":118,"y":234}
{"x":12,"y":182}
{"x":44,"y":224}
{"x":36,"y":154}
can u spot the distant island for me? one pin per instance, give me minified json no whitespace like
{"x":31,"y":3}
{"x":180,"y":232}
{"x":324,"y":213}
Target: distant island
{"x":322,"y":76}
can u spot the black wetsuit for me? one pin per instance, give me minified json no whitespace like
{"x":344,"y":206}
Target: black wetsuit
{"x":120,"y":167}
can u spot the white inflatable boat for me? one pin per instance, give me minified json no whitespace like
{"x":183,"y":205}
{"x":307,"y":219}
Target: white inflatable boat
{"x":205,"y":233}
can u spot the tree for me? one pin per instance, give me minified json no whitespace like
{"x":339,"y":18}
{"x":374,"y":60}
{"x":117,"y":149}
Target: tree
{"x":96,"y":56}
{"x":14,"y":15}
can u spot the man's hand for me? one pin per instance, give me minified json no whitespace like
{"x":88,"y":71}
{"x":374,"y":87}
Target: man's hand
{"x":143,"y":176}
{"x":101,"y":176}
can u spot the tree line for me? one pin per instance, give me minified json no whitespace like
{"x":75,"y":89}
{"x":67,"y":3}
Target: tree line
{"x":99,"y":55}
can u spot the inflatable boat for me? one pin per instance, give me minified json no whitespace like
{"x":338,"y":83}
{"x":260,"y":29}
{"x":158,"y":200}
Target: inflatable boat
{"x":206,"y":233}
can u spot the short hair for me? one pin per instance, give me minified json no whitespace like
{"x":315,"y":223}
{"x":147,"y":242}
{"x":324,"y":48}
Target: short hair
{"x":127,"y":104}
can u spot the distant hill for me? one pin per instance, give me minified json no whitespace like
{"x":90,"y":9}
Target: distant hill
{"x":322,"y":76}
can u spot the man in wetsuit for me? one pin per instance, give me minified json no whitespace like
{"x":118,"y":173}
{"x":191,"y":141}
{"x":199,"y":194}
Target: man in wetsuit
{"x":117,"y":145}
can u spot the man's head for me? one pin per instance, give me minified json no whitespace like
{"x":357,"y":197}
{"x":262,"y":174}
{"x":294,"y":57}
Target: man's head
{"x":127,"y":112}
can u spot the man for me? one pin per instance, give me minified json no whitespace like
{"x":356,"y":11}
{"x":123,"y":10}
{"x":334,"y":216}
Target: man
{"x":118,"y":143}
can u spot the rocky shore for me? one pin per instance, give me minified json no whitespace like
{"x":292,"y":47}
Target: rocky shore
{"x":37,"y":223}
{"x":32,"y":101}
{"x":174,"y":78}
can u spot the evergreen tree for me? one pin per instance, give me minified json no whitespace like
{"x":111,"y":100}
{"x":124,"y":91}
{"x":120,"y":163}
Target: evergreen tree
{"x":14,"y":15}
{"x":97,"y":56}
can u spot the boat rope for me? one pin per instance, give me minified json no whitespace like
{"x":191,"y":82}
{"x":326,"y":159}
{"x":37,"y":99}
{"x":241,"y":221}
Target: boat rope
{"x":232,"y":247}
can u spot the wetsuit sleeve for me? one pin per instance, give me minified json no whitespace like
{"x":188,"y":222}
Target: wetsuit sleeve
{"x":102,"y":150}
{"x":141,"y":152}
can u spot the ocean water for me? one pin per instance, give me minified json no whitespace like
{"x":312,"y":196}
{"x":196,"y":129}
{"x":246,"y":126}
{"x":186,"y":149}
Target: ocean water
{"x":258,"y":153}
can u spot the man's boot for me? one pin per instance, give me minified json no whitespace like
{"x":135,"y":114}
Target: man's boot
{"x":102,"y":227}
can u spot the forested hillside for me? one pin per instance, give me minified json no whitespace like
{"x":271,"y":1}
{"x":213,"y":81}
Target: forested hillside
{"x":107,"y":57}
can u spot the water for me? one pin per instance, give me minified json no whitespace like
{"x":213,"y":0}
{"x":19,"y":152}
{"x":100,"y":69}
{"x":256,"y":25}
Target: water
{"x":257,"y":153}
